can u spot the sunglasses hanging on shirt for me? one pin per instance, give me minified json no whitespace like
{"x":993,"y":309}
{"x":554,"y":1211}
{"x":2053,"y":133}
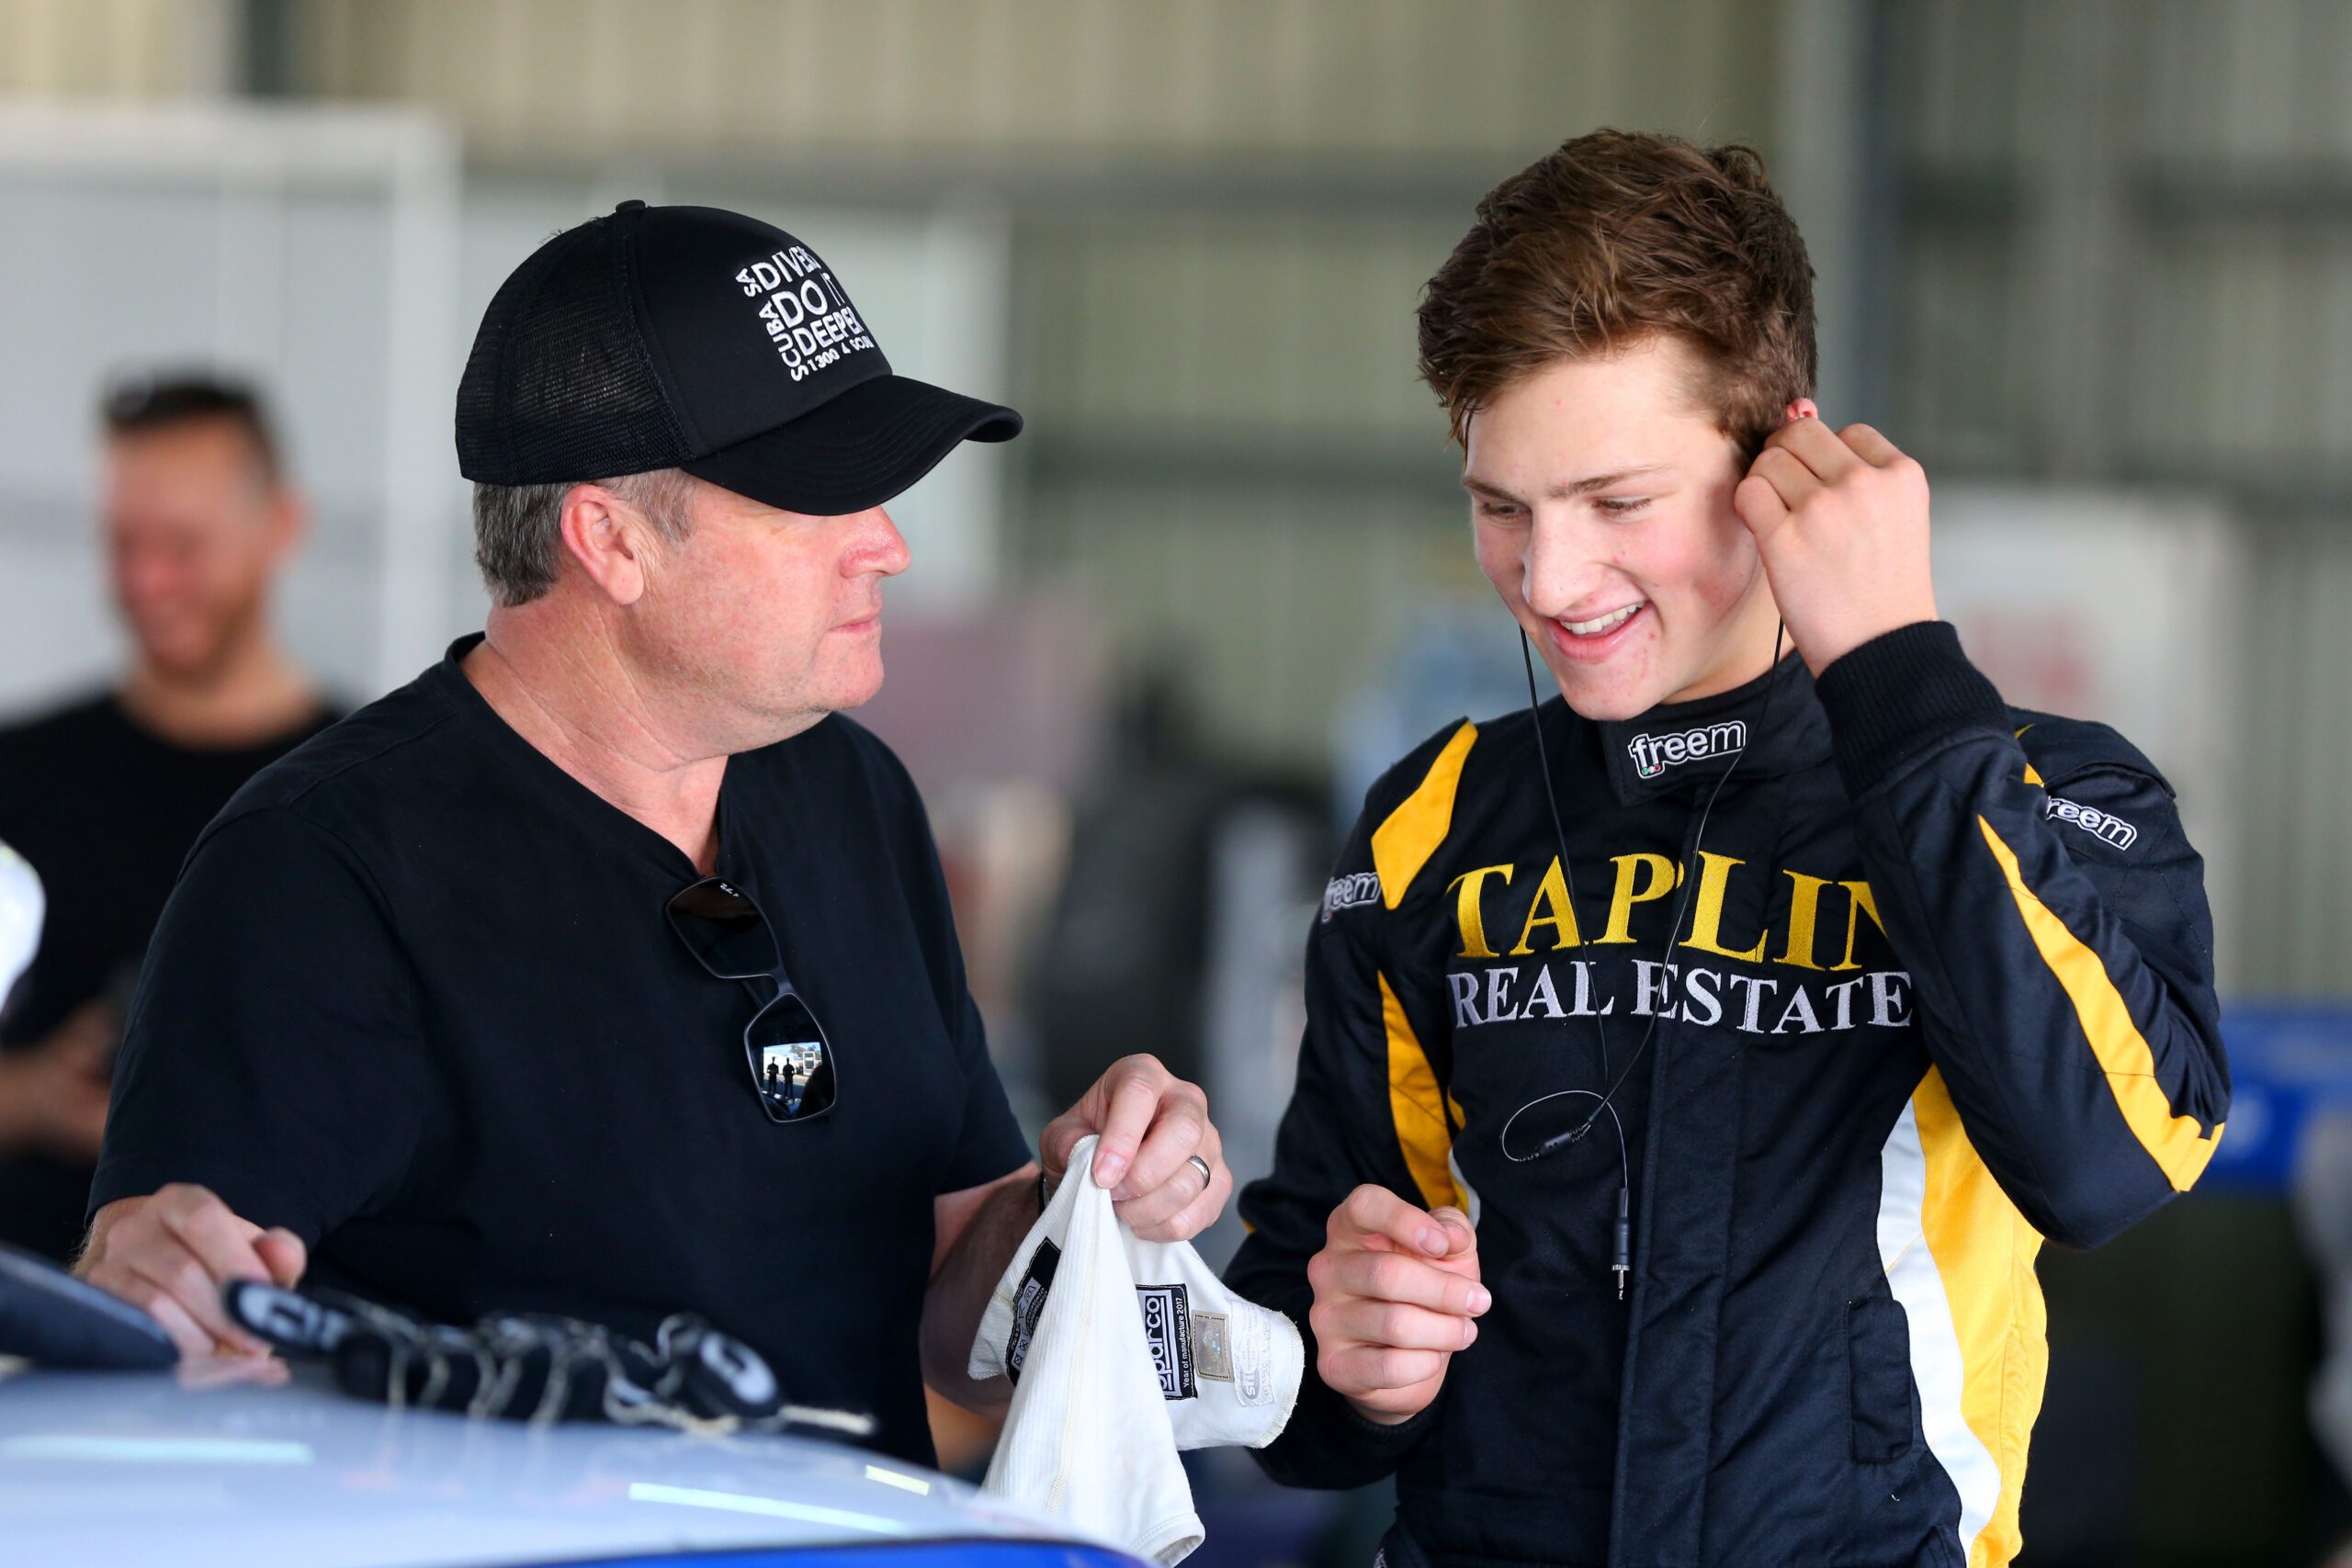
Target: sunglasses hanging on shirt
{"x":791,"y":1064}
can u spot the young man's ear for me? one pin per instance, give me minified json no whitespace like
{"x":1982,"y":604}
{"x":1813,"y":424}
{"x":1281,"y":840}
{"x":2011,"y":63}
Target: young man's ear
{"x":1804,"y":408}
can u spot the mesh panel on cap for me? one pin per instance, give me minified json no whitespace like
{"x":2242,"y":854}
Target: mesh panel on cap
{"x":559,"y":385}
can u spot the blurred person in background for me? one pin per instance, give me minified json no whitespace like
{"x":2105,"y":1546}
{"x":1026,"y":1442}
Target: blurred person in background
{"x":1697,"y":1059}
{"x":105,"y":795}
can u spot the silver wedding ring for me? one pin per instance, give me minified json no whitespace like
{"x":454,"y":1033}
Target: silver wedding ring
{"x":1197,"y":1163}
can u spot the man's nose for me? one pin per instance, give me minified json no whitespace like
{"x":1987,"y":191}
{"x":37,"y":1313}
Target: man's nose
{"x":140,"y":574}
{"x":878,"y":546}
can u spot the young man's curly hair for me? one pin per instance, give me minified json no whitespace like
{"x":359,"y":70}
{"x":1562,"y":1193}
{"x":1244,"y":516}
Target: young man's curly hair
{"x":1617,"y":237}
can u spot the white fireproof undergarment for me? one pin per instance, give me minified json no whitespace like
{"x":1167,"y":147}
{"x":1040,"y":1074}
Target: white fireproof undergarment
{"x":1122,"y":1352}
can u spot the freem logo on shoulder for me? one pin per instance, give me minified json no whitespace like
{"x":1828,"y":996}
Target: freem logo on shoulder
{"x":1653,"y":754}
{"x":2090,"y":820}
{"x":1348,"y":892}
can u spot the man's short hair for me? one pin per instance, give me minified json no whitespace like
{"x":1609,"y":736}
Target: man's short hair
{"x":1616,"y":237}
{"x":144,"y":403}
{"x":518,"y":529}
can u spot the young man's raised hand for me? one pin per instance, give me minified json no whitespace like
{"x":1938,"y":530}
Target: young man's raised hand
{"x":1840,"y":519}
{"x":1396,"y":1293}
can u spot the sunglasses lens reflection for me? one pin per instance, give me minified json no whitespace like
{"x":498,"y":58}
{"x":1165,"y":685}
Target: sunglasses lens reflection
{"x":791,"y":1062}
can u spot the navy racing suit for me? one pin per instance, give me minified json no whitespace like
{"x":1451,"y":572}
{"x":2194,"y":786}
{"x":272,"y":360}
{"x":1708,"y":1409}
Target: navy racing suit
{"x":1943,"y":990}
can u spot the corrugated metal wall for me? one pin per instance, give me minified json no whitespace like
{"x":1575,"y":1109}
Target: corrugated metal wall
{"x":1399,"y":76}
{"x":1223,"y":212}
{"x":2295,"y":871}
{"x":1232,"y":454}
{"x":2123,"y":253}
{"x":140,"y":49}
{"x":2126,"y":255}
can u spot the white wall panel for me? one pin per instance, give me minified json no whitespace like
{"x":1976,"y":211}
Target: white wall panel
{"x":266,"y":243}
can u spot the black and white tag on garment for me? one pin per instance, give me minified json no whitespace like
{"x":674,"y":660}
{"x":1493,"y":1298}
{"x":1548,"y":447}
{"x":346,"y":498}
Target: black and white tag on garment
{"x":1027,"y":1304}
{"x":1168,"y":1331}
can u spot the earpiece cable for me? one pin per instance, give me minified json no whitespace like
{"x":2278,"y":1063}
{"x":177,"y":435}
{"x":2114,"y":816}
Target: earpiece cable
{"x":1621,"y":1262}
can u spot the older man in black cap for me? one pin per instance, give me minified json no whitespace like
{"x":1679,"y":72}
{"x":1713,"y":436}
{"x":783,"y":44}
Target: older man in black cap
{"x":472,"y":1002}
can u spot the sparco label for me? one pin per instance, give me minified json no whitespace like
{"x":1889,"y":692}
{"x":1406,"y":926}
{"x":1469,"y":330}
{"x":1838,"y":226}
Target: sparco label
{"x":1167,"y":1330}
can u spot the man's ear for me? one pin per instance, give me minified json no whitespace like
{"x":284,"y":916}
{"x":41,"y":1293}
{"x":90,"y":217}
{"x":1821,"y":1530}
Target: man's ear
{"x":604,"y":537}
{"x":288,"y":521}
{"x":1804,"y":408}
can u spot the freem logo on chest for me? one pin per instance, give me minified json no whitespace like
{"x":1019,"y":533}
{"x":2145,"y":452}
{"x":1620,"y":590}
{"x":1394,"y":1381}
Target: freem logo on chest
{"x":1653,"y":754}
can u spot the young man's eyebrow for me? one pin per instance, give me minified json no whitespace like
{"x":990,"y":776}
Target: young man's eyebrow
{"x":1585,"y":486}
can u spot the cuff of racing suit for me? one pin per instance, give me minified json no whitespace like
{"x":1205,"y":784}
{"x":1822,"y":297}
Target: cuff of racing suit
{"x":1897,"y":695}
{"x":1329,"y":1444}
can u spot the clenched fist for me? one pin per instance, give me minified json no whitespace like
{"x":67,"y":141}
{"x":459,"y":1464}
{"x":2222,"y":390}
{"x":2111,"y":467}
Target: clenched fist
{"x":1396,"y":1293}
{"x":1840,"y":519}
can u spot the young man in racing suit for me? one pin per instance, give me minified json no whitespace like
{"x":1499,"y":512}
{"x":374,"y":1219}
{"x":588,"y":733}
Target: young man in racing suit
{"x":1696,"y":1062}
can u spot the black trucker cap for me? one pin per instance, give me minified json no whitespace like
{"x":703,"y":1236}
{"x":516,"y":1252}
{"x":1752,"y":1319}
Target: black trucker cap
{"x":693,"y":338}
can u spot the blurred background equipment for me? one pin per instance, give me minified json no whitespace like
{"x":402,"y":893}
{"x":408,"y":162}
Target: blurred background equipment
{"x":2090,"y":260}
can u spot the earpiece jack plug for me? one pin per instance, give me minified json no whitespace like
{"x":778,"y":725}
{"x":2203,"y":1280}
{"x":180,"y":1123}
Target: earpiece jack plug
{"x":1624,"y":1254}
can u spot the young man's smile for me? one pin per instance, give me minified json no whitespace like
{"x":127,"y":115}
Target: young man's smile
{"x":1595,"y":637}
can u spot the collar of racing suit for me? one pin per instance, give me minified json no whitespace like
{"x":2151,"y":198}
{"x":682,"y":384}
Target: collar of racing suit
{"x":1681,"y":747}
